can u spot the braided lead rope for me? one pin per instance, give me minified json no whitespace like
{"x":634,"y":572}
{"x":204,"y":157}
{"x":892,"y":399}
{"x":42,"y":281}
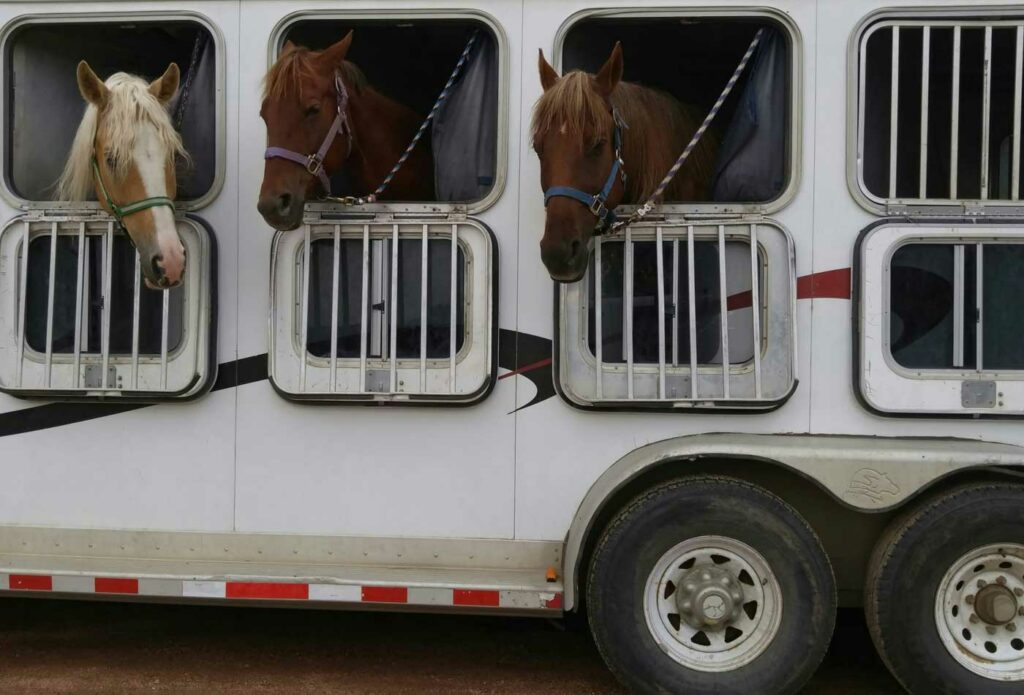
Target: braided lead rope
{"x":372,"y":198}
{"x":651,"y":202}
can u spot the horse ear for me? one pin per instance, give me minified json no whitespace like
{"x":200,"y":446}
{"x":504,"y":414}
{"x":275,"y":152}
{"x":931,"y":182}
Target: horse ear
{"x":164,"y":87}
{"x":92,"y":88}
{"x":288,"y":47}
{"x":335,"y":55}
{"x":548,"y":76}
{"x":611,"y":72}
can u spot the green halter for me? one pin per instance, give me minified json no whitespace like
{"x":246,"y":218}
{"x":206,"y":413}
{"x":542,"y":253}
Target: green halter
{"x":122,"y":211}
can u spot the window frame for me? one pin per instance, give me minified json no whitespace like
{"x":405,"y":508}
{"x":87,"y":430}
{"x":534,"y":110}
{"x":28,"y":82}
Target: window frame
{"x":777,"y":297}
{"x":287,"y":352}
{"x":924,"y":392}
{"x":856,"y":56}
{"x":426,"y":208}
{"x":9,"y":31}
{"x":795,"y":44}
{"x":199,"y":324}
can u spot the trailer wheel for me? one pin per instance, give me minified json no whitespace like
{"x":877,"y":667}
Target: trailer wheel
{"x":944,"y":597}
{"x":710,"y":584}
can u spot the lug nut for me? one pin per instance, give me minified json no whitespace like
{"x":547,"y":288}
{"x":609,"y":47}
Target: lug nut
{"x":1001,"y":580}
{"x":973,"y":618}
{"x":1018,"y":591}
{"x":1012,"y":627}
{"x":990,"y":630}
{"x":982,"y":583}
{"x":969,"y":599}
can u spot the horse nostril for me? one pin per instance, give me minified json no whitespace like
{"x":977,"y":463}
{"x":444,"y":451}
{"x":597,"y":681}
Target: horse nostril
{"x":158,"y":271}
{"x":284,"y":204}
{"x":574,"y":248}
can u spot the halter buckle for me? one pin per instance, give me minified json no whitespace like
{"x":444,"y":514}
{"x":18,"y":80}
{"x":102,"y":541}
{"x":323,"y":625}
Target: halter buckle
{"x":314,"y":164}
{"x":597,"y":207}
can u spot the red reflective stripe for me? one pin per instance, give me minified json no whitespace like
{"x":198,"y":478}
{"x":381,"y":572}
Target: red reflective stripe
{"x":527,"y":368}
{"x":474,"y":597}
{"x":266,"y":590}
{"x":828,"y":284}
{"x":31,"y":582}
{"x":385,"y":594}
{"x":555,"y":602}
{"x":111,"y":585}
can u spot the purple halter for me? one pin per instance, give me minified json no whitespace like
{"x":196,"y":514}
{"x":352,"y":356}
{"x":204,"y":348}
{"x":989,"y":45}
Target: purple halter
{"x":314,"y":163}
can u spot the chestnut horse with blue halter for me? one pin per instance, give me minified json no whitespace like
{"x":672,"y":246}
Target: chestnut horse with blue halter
{"x":321,"y":116}
{"x":603,"y":142}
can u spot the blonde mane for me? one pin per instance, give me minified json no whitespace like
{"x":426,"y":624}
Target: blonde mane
{"x":658,"y":127}
{"x":129,"y":104}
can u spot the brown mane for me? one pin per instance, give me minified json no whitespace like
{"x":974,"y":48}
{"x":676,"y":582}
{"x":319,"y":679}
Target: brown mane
{"x":297,"y":66}
{"x":658,"y":127}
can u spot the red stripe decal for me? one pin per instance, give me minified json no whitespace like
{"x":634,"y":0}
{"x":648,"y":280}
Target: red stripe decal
{"x":111,"y":585}
{"x":528,"y":368}
{"x":555,"y":603}
{"x":385,"y":594}
{"x":266,"y":590}
{"x":31,"y":582}
{"x":474,"y":597}
{"x":828,"y":284}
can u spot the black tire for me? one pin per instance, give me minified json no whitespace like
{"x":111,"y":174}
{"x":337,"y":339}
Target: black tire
{"x":907,"y":567}
{"x":654,"y":523}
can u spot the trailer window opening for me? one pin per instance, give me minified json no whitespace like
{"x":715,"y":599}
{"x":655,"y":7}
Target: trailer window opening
{"x":673,"y":303}
{"x":410,"y":60}
{"x":675,"y":315}
{"x":942,"y":318}
{"x":939,"y":114}
{"x":410,"y":334}
{"x":43,"y":105}
{"x":691,"y":59}
{"x":122,"y":318}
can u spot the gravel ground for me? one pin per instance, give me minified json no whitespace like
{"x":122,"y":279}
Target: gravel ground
{"x":51,"y":646}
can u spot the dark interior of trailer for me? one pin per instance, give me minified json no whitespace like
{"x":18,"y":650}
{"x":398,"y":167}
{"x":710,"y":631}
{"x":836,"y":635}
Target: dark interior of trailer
{"x":692,"y":59}
{"x":878,"y":103}
{"x":43,"y":106}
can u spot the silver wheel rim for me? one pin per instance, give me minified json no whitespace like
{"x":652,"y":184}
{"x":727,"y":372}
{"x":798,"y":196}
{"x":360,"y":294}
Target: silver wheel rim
{"x":979,"y":611}
{"x":712,"y":603}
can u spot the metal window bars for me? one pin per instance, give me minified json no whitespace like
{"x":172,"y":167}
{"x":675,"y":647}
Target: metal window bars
{"x":952,"y":63}
{"x":425,"y":339}
{"x":741,"y":295}
{"x":78,"y":370}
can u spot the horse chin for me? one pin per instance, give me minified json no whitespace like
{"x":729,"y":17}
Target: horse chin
{"x":569,"y":277}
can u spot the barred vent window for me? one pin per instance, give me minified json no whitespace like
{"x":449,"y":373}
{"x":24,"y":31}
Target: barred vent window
{"x":939,"y":310}
{"x":399,"y":312}
{"x":81,"y":324}
{"x":939,"y":112}
{"x":675,"y":315}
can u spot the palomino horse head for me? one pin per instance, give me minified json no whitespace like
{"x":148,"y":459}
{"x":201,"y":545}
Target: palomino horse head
{"x":574,"y":134}
{"x":124,"y":150}
{"x":308,"y":135}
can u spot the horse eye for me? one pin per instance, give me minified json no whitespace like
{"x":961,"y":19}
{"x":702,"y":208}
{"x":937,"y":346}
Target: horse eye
{"x":111,"y":162}
{"x":597,"y":147}
{"x":312,"y":110}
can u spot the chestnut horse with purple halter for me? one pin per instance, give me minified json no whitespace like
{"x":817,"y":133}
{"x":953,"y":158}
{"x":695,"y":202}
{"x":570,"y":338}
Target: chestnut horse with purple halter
{"x":322,"y":116}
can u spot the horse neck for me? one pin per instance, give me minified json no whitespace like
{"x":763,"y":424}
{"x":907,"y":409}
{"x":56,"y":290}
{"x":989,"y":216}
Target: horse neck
{"x":659,"y":126}
{"x":383,"y":129}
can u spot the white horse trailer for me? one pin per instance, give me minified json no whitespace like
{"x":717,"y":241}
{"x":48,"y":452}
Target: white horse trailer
{"x":648,"y":445}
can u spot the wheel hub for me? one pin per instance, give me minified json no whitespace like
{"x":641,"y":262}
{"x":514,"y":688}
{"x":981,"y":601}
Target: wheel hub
{"x":709,"y":597}
{"x":995,"y":604}
{"x":979,"y":611}
{"x":712,"y":603}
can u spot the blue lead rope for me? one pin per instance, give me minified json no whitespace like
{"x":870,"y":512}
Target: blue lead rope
{"x":372,"y":198}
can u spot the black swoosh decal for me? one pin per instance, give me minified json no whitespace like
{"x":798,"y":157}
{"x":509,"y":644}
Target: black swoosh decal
{"x":515,"y":350}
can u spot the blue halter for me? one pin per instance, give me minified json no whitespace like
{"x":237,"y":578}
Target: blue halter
{"x":596,"y":202}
